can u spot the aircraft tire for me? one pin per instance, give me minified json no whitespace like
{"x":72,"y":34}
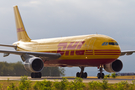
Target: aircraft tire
{"x":36,"y":75}
{"x":102,"y":76}
{"x":85,"y":75}
{"x":77,"y":74}
{"x":98,"y":75}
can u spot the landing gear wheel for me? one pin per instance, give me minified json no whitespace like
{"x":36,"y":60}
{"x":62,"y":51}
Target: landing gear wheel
{"x":36,"y":75}
{"x":85,"y":75}
{"x":81,"y":74}
{"x":77,"y":74}
{"x":100,"y":75}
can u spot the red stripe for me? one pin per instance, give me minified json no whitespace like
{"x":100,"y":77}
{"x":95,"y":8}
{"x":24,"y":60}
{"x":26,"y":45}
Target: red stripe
{"x":107,"y":52}
{"x":88,"y":52}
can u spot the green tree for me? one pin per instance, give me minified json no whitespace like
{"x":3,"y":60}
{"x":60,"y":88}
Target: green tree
{"x":17,"y":69}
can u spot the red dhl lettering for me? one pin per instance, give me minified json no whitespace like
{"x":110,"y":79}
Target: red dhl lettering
{"x":62,"y":46}
{"x":70,"y":46}
{"x":20,"y":29}
{"x":80,"y":45}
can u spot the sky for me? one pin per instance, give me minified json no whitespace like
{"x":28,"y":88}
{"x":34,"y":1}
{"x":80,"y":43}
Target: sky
{"x":60,"y":18}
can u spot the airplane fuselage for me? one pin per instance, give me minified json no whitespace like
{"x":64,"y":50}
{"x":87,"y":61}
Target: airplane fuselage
{"x":85,"y":50}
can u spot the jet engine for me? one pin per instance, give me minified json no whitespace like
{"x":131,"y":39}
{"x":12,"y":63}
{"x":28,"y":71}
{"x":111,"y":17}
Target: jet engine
{"x":115,"y":66}
{"x":33,"y":64}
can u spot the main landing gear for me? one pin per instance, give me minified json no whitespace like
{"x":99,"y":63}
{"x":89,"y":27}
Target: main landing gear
{"x":36,"y":75}
{"x":81,"y":74}
{"x":100,"y":75}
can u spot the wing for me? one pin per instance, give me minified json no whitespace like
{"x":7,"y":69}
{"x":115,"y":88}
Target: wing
{"x":48,"y":56}
{"x":126,"y":53}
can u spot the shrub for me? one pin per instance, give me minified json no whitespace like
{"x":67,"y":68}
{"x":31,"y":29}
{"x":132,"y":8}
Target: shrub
{"x":43,"y":85}
{"x":107,"y":76}
{"x":133,"y":81}
{"x":77,"y":84}
{"x":94,"y":85}
{"x":113,"y":75}
{"x":1,"y":86}
{"x":123,"y":85}
{"x":12,"y":87}
{"x":24,"y":84}
{"x":104,"y":84}
{"x":63,"y":85}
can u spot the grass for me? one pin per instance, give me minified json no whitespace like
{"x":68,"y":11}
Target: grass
{"x":64,"y":84}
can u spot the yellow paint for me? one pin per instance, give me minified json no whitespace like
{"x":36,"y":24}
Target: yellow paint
{"x":92,"y":42}
{"x":21,"y":33}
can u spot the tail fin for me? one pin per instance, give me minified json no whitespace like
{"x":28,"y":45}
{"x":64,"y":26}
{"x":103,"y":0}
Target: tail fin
{"x":21,"y":33}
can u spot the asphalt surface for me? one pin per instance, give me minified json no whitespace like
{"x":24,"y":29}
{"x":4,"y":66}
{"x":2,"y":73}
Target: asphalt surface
{"x":87,"y":80}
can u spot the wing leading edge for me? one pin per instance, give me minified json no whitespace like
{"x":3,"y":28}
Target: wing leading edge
{"x":126,"y":53}
{"x":48,"y":56}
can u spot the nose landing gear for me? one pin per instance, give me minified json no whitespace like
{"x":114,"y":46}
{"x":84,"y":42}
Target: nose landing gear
{"x":100,"y":75}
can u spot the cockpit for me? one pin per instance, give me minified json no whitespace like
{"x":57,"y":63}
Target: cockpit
{"x":109,"y":43}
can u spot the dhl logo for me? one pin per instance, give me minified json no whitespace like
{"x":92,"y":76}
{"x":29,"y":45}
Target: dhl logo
{"x":20,"y":29}
{"x":71,"y":48}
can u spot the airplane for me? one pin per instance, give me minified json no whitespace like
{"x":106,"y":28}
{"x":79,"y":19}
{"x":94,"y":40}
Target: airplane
{"x":82,"y":51}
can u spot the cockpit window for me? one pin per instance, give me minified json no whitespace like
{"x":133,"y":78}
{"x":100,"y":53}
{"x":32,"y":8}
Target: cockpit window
{"x":116,"y":43}
{"x":109,"y":43}
{"x":103,"y":43}
{"x":106,"y":43}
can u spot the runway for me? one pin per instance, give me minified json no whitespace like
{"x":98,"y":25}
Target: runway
{"x":111,"y":81}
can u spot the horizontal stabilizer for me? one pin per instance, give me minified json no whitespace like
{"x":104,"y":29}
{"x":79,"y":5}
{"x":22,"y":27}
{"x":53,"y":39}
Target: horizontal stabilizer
{"x":5,"y":45}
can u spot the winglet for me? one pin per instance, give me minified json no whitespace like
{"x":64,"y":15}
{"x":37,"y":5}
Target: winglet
{"x":21,"y":32}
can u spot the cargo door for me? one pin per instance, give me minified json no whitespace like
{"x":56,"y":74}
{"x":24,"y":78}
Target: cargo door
{"x":90,"y":47}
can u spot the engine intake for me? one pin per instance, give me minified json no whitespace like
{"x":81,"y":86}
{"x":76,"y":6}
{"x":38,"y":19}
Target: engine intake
{"x":115,"y":66}
{"x":33,"y":64}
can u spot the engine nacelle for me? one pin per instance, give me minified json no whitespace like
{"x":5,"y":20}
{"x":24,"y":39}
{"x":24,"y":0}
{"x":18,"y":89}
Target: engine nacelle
{"x":33,"y":64}
{"x":115,"y":66}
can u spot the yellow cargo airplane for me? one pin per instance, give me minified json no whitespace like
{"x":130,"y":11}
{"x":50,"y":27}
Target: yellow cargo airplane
{"x":81,"y":51}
